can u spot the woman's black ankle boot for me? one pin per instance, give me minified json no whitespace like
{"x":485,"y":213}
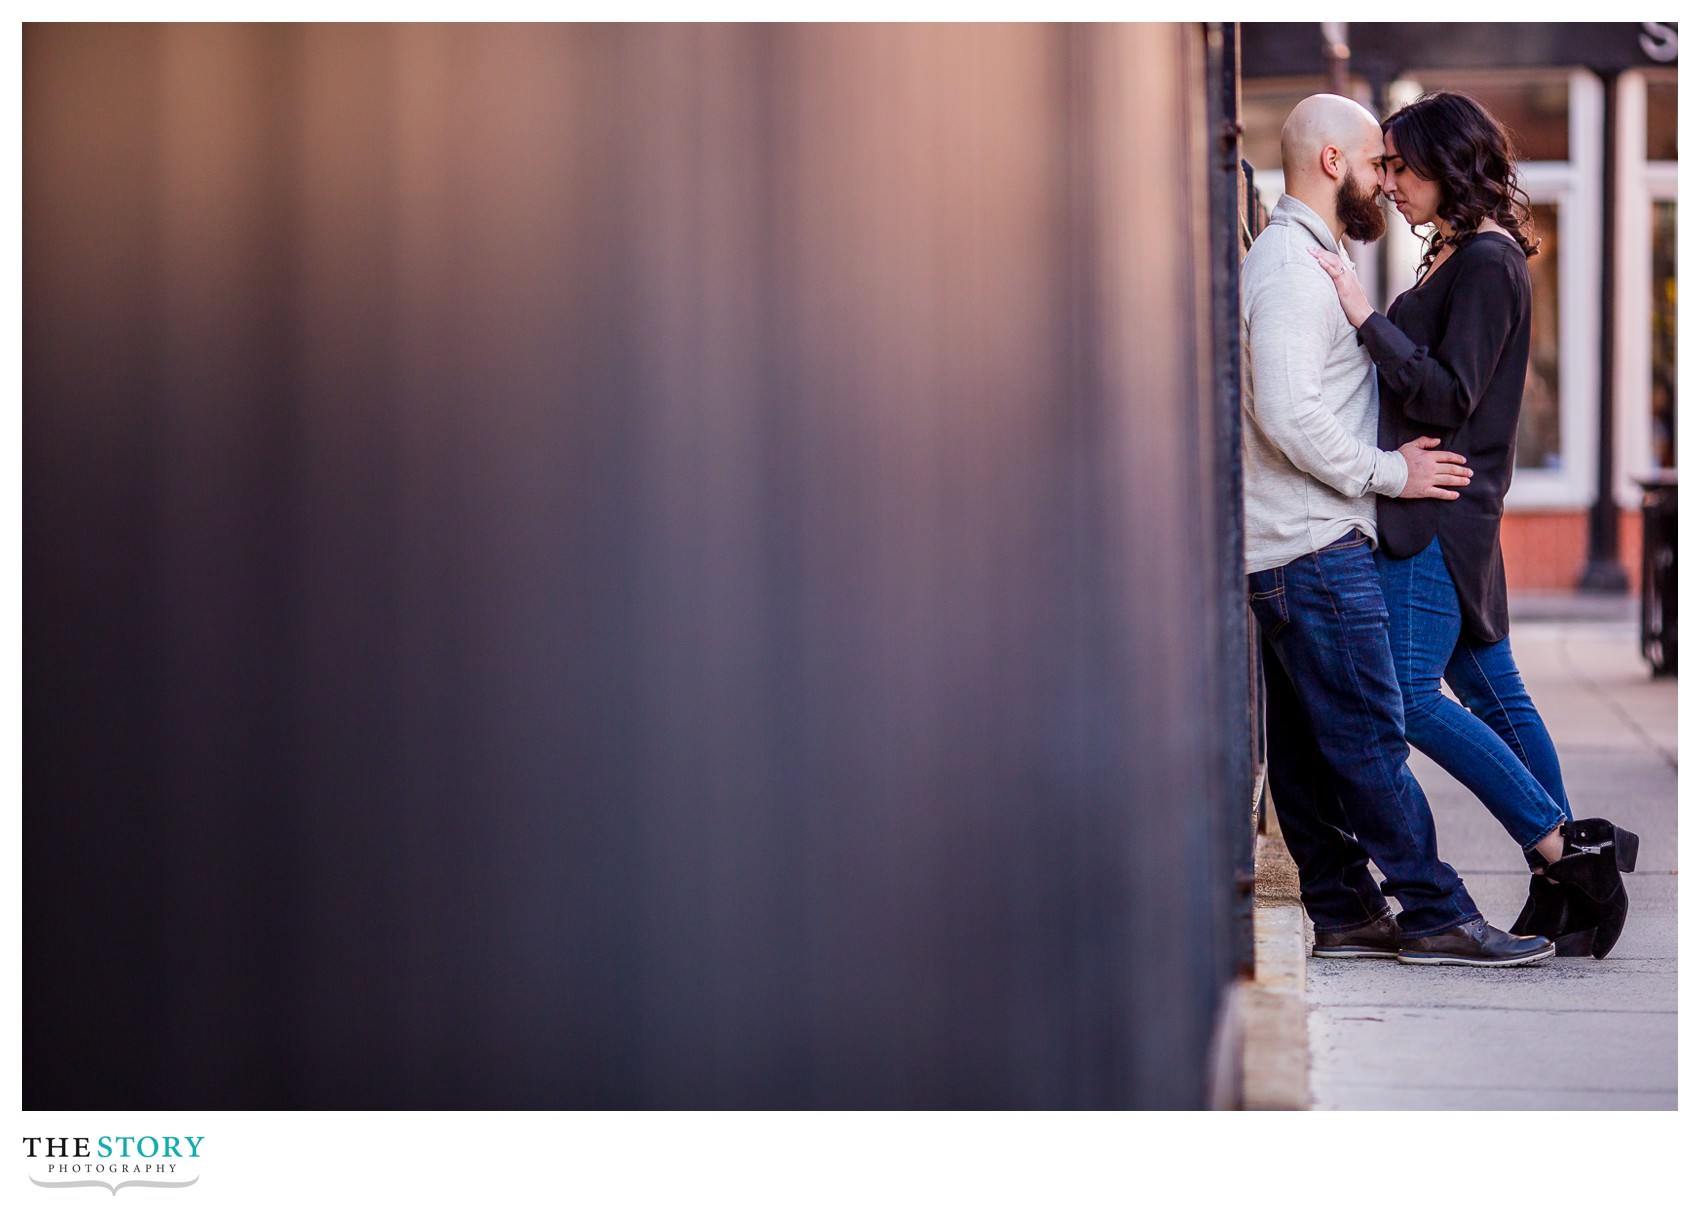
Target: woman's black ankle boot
{"x":1547,"y":911}
{"x":1579,"y":901}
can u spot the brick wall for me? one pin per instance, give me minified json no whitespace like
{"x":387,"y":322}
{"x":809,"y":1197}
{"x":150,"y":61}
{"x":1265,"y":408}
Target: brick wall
{"x":1545,"y":549}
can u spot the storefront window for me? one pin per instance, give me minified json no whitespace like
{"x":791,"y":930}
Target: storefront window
{"x":1534,"y":108}
{"x":1664,"y":334}
{"x":1661,"y":118}
{"x":1539,"y":441}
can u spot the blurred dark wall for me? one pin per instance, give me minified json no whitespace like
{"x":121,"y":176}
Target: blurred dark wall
{"x":619,"y":566}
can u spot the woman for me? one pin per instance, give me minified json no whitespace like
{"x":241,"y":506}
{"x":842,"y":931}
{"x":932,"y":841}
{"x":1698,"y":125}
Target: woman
{"x":1451,"y":355}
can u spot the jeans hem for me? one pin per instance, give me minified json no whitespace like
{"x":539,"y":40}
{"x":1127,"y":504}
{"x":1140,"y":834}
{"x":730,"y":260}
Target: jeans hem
{"x":1463,"y":921}
{"x":1529,"y":846}
{"x":1385,"y":909}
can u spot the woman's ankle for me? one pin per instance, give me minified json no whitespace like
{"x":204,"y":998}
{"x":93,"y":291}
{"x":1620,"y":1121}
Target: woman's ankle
{"x":1548,"y":850}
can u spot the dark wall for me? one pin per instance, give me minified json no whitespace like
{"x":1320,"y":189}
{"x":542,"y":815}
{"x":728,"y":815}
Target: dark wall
{"x":619,"y":566}
{"x":1382,"y":50}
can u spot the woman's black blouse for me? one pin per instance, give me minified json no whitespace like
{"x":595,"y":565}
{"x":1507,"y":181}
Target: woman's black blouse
{"x":1453,"y":354}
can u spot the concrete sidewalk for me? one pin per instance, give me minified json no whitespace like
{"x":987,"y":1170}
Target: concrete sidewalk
{"x":1569,"y":1033}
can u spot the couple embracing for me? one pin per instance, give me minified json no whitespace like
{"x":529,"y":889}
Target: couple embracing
{"x":1378,"y":450}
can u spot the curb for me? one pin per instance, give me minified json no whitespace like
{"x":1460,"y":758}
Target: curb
{"x":1275,"y":1056}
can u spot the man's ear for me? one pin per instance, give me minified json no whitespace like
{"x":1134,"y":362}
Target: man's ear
{"x":1333,"y":161}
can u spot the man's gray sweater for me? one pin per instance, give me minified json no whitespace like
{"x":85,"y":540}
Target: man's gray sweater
{"x":1311,"y":463}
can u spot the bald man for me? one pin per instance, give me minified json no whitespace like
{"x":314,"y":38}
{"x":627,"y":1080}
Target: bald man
{"x":1337,"y":754}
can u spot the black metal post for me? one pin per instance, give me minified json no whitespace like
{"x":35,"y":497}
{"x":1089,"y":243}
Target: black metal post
{"x":1378,"y":87}
{"x":1234,"y":701}
{"x":1604,"y":572}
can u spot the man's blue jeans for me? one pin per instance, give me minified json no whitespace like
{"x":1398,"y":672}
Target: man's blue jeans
{"x":1496,"y":744}
{"x":1337,"y":754}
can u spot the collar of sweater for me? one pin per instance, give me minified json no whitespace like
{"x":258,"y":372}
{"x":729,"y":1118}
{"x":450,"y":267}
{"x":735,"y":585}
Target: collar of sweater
{"x":1289,"y":210}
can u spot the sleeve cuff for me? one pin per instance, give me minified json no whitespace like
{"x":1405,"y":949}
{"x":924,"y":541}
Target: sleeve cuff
{"x":1391,"y":474}
{"x":1386,"y":344}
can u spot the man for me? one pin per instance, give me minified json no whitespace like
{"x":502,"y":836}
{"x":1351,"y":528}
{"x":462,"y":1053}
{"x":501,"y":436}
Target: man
{"x":1337,"y":755}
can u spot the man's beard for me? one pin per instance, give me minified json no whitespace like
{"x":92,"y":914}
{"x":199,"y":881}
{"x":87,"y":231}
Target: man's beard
{"x":1359,"y":211}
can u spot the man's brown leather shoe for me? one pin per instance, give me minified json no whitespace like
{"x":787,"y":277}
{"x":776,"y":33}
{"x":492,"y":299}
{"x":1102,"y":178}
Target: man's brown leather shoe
{"x":1475,"y":944}
{"x":1374,"y":940}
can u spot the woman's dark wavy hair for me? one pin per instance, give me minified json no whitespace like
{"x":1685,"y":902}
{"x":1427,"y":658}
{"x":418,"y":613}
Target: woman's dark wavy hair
{"x":1449,"y":138}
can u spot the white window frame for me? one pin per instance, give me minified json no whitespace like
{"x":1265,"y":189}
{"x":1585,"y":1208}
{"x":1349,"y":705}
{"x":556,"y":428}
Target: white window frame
{"x":1640,"y":184}
{"x":1574,"y":186}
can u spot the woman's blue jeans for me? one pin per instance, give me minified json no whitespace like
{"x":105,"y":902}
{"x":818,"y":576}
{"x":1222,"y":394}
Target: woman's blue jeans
{"x":1496,"y":743}
{"x":1337,"y":772}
